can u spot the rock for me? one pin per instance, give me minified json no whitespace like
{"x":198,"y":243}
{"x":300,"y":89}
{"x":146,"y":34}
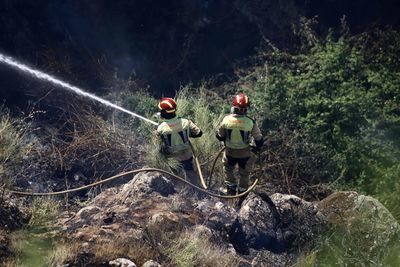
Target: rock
{"x":166,"y":221}
{"x":11,"y":218}
{"x":151,"y":263}
{"x":142,"y":206}
{"x":364,"y":219}
{"x":203,"y":232}
{"x":121,"y":262}
{"x":270,"y":259}
{"x":300,"y":221}
{"x":85,"y":214}
{"x":221,"y":217}
{"x":258,"y":225}
{"x":146,"y":183}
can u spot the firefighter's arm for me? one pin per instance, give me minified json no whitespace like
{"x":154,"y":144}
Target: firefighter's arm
{"x":257,"y":135}
{"x":162,"y":148}
{"x":194,"y":130}
{"x":220,"y":134}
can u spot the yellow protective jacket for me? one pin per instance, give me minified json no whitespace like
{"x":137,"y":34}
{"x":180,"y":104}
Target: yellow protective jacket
{"x":175,"y":135}
{"x":237,"y":131}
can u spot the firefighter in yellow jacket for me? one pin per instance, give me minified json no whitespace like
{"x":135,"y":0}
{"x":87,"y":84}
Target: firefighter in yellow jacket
{"x":174,"y":133}
{"x":236,"y":130}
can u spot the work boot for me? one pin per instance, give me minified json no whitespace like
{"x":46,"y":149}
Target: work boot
{"x":242,"y":198}
{"x":230,"y":190}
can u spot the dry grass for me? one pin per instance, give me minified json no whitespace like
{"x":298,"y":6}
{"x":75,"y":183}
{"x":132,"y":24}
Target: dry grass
{"x":177,"y":248}
{"x":192,"y":248}
{"x":44,"y":211}
{"x":294,"y":166}
{"x":13,"y":148}
{"x":103,"y":250}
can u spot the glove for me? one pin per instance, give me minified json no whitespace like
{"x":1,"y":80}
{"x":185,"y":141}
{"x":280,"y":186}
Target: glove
{"x":220,"y":138}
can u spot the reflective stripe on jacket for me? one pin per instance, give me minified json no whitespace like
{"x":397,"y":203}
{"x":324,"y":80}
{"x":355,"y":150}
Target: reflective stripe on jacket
{"x":175,"y":134}
{"x":237,"y":131}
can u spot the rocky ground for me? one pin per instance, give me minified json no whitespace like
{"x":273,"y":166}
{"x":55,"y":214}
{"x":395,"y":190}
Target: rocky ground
{"x":149,"y":218}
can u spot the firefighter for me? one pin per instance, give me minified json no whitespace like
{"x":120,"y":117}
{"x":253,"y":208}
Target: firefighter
{"x":236,"y":131}
{"x":174,"y":133}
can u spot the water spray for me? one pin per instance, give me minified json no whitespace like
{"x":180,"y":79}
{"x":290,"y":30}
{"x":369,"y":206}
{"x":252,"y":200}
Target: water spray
{"x":46,"y":77}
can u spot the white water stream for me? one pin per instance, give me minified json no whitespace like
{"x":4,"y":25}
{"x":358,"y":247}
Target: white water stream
{"x":46,"y":77}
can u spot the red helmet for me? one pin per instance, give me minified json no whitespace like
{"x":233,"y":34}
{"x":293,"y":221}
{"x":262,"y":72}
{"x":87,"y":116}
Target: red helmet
{"x":241,"y":101}
{"x":167,"y":104}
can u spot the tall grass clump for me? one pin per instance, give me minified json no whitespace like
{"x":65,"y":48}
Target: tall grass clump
{"x":194,"y":249}
{"x":44,"y":211}
{"x":13,"y":148}
{"x":206,"y":113}
{"x":199,"y":105}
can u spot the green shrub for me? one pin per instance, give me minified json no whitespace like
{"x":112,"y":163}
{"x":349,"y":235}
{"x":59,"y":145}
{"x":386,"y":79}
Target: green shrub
{"x":43,"y":211}
{"x":339,"y":248}
{"x":343,"y":94}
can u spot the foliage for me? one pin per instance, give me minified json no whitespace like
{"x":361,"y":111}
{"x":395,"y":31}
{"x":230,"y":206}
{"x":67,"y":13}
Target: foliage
{"x":199,"y":105}
{"x":43,"y":211}
{"x":206,"y":112}
{"x":343,"y":96}
{"x":13,"y":148}
{"x":340,"y":248}
{"x":142,"y":103}
{"x":193,"y":249}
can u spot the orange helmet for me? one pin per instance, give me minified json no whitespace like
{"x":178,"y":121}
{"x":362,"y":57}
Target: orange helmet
{"x":241,"y":101}
{"x":167,"y":104}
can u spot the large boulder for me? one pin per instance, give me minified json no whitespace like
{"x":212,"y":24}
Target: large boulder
{"x":147,"y":207}
{"x":146,"y":183}
{"x":300,"y":221}
{"x":364,"y":221}
{"x":258,"y":224}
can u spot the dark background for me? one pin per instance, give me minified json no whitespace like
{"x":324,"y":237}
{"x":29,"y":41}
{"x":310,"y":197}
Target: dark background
{"x":159,"y":44}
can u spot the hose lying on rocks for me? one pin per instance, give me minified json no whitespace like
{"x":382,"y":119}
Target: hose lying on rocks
{"x":135,"y":172}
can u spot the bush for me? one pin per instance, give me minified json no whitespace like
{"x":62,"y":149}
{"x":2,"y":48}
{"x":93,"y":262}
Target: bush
{"x":340,"y":248}
{"x":343,"y":96}
{"x":43,"y":211}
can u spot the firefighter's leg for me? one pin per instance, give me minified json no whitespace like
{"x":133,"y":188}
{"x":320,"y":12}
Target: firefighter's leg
{"x":230,"y":180}
{"x":191,"y":174}
{"x":245,"y":167}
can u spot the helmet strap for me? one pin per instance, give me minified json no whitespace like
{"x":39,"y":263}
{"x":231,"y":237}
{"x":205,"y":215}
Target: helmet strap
{"x":166,"y":115}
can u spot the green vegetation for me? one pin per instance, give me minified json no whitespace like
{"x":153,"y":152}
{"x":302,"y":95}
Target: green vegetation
{"x":43,"y":211}
{"x":331,"y":115}
{"x":339,"y":247}
{"x":32,"y":247}
{"x":13,"y":148}
{"x":193,"y":249}
{"x":342,"y":95}
{"x":333,"y":110}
